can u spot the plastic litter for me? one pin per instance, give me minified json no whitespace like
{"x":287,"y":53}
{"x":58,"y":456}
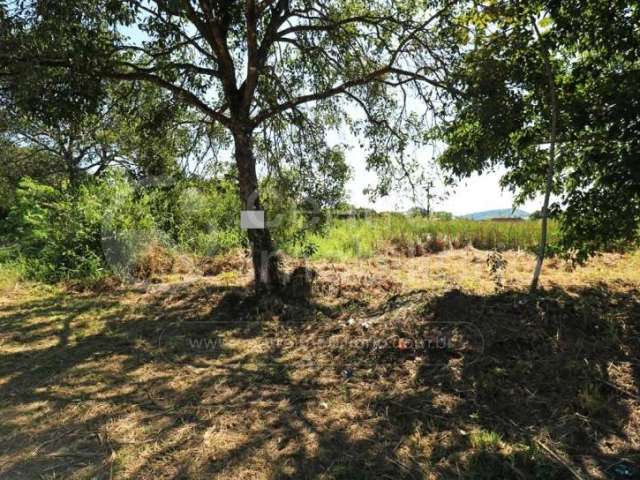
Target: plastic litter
{"x":623,"y":470}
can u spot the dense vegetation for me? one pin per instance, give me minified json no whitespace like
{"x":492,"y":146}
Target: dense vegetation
{"x":108,"y":225}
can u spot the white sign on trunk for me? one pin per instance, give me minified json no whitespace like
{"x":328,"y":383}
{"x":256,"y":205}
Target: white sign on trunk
{"x":252,"y":219}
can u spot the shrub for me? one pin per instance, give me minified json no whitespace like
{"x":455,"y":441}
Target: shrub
{"x":113,"y":225}
{"x":127,"y":227}
{"x":58,"y":237}
{"x":205,"y":216}
{"x":66,"y":234}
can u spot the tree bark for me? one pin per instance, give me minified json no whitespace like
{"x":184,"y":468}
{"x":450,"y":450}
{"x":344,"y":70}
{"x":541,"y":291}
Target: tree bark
{"x":266,"y":265}
{"x":553,"y":104}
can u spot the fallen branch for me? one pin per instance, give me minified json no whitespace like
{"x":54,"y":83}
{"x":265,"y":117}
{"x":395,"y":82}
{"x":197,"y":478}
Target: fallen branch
{"x":556,"y":456}
{"x":620,"y":389}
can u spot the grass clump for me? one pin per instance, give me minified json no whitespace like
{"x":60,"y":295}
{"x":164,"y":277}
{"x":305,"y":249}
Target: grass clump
{"x":485,"y":440}
{"x":590,"y":399}
{"x":11,"y":274}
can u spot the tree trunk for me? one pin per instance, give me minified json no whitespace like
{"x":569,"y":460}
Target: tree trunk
{"x":545,"y":219}
{"x":553,"y":104}
{"x":266,"y":265}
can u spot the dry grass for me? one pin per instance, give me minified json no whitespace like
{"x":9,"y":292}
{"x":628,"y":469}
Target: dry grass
{"x":195,"y":378}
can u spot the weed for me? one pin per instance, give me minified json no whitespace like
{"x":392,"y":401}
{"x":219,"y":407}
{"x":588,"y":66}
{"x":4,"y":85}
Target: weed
{"x":228,"y":278}
{"x":497,"y":265}
{"x":485,"y":440}
{"x":590,"y":399}
{"x":10,"y":275}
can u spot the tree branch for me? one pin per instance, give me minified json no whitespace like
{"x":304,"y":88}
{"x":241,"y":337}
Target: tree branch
{"x":185,"y":95}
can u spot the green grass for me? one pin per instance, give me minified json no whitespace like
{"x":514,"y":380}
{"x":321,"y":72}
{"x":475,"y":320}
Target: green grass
{"x":10,"y":275}
{"x":362,"y":238}
{"x":485,"y":440}
{"x":12,"y":268}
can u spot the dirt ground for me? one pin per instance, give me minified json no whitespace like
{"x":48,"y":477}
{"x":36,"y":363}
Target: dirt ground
{"x":418,"y":368}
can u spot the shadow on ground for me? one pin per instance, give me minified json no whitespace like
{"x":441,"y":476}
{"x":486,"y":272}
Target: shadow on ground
{"x":100,"y":387}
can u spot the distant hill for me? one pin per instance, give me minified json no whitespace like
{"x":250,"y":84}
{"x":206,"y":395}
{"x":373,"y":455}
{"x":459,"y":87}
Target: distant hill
{"x":502,"y":213}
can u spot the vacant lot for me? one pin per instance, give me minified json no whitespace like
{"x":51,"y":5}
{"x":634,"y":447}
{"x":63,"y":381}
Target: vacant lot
{"x":374,"y":235}
{"x":195,"y":378}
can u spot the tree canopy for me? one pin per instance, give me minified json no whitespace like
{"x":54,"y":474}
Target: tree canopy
{"x":504,"y":116}
{"x":136,"y":127}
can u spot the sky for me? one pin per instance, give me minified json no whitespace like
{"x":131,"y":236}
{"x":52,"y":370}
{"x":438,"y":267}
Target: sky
{"x":475,"y":194}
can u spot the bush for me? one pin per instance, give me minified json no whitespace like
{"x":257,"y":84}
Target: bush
{"x":205,"y":216}
{"x":58,"y":236}
{"x":127,"y":226}
{"x":111,"y":225}
{"x":66,"y":234}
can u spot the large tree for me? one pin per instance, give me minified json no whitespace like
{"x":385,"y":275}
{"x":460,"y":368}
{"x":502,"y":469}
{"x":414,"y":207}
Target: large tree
{"x":266,"y":70}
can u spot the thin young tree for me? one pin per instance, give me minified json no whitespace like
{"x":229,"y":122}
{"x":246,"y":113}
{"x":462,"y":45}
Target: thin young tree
{"x":553,"y":133}
{"x":269,"y":71}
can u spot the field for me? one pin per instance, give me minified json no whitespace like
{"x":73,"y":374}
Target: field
{"x":414,"y":236}
{"x":193,"y":377}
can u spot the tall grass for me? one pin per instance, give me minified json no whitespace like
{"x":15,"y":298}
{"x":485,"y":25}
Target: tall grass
{"x":12,"y":269}
{"x":11,"y":274}
{"x":362,"y":238}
